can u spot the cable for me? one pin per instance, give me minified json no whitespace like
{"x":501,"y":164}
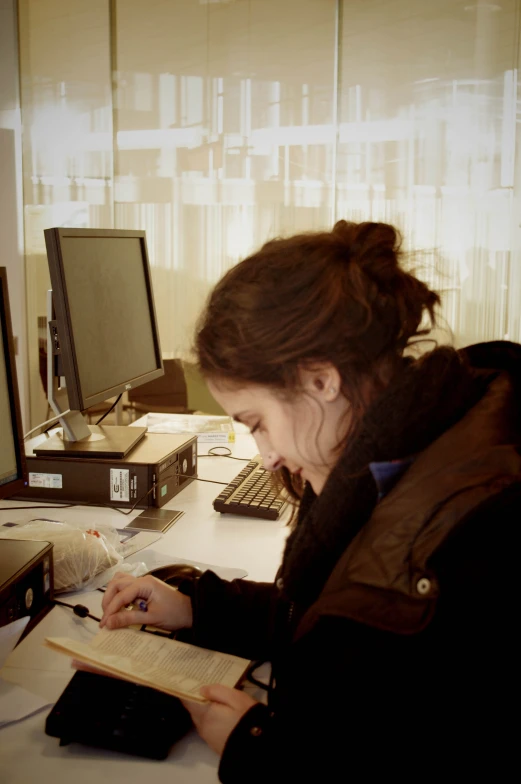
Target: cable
{"x":62,"y":506}
{"x":83,"y":612}
{"x":251,"y":678}
{"x":113,"y":406}
{"x":160,"y":481}
{"x":126,"y":512}
{"x":50,"y":422}
{"x":166,"y":476}
{"x":213,"y":481}
{"x":151,"y":490}
{"x":228,"y":454}
{"x":50,"y":428}
{"x":78,"y":609}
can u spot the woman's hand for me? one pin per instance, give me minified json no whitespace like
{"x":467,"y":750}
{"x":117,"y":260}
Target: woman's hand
{"x":166,"y":607}
{"x":215,"y":720}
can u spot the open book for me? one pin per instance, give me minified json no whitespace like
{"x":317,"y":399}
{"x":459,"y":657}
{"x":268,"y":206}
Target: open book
{"x":170,"y":666}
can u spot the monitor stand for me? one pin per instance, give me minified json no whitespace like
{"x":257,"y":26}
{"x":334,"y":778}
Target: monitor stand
{"x":104,"y":441}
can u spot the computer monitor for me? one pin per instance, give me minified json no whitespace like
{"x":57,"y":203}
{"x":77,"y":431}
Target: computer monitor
{"x":103,"y":334}
{"x":13,"y":471}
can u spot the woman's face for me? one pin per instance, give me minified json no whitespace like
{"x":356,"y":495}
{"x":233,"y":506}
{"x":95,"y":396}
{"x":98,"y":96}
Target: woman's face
{"x":301,"y":434}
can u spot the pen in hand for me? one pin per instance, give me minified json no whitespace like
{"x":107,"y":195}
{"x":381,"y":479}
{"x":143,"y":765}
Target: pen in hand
{"x":139,"y":605}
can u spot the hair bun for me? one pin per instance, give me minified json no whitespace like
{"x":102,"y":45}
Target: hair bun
{"x":373,"y":247}
{"x":345,"y":231}
{"x":341,"y":226}
{"x":399,"y":299}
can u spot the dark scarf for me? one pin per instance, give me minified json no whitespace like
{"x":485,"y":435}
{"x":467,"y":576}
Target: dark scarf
{"x":427,"y":398}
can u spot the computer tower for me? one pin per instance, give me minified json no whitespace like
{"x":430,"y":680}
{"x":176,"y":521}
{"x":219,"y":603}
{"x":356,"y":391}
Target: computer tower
{"x":26,"y":580}
{"x":158,"y":468}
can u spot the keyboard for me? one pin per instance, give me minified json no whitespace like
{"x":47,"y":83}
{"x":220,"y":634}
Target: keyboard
{"x":251,"y":493}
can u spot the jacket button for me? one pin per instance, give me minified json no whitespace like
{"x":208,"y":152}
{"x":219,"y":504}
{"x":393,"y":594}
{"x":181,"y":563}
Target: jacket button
{"x":255,"y":731}
{"x":280,"y":583}
{"x":423,"y":586}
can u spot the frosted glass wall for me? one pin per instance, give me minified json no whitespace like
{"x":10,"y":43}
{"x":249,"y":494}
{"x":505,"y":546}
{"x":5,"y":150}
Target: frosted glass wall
{"x":217,"y":124}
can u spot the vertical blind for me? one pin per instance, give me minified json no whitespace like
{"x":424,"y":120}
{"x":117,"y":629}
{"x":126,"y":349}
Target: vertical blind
{"x":217,"y":124}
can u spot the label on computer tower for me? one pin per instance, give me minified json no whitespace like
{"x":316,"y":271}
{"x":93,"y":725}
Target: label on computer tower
{"x":119,"y":484}
{"x":45,"y":480}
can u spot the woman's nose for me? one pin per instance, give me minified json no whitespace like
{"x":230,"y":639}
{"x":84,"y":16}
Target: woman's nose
{"x":271,"y":461}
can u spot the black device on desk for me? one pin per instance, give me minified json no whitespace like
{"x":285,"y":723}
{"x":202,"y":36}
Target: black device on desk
{"x":26,"y":568}
{"x":251,"y":493}
{"x":13,"y":470}
{"x":26,"y":581}
{"x":109,"y":713}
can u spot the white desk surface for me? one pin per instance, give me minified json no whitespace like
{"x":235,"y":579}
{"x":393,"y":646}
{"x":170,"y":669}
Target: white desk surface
{"x":27,"y":755}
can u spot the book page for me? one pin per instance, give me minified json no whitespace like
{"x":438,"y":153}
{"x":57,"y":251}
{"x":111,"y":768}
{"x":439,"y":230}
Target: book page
{"x":168,"y":665}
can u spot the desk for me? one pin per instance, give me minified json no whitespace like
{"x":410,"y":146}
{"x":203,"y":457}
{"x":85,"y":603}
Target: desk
{"x":29,"y":756}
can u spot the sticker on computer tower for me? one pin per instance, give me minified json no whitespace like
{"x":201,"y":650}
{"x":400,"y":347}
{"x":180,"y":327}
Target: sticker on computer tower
{"x":37,"y":479}
{"x":119,"y":484}
{"x":133,"y":488}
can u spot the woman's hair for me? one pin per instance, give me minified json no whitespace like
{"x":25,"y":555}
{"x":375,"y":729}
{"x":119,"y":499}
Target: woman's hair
{"x":342,"y":297}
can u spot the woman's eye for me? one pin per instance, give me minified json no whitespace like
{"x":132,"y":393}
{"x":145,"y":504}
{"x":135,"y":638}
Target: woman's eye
{"x":255,"y":428}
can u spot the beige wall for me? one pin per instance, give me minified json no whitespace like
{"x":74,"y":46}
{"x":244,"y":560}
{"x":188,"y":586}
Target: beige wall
{"x":11,"y":204}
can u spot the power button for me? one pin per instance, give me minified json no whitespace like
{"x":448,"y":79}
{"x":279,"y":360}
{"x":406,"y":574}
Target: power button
{"x":29,"y":598}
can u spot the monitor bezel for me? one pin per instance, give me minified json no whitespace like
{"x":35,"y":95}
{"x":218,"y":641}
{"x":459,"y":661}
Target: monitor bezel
{"x":77,"y":400}
{"x":11,"y":488}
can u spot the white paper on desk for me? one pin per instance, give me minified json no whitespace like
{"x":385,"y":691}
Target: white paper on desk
{"x":152,"y":559}
{"x":133,"y":541}
{"x":15,"y":703}
{"x":9,"y":636}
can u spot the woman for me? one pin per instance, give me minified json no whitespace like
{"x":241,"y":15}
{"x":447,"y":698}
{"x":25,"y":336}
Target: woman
{"x":388,"y":625}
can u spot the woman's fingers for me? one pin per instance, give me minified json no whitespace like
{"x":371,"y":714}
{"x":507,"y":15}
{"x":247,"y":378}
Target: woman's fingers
{"x":127,"y":594}
{"x":166,"y":607}
{"x":235,"y":699}
{"x":197,"y":710}
{"x":225,"y":695}
{"x":118,"y":582}
{"x":124,"y":618}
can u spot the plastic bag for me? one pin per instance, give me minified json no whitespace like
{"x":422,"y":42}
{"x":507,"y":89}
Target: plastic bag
{"x":135,"y":569}
{"x":81,"y":553}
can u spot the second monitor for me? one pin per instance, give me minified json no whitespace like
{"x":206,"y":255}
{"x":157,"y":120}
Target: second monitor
{"x":104,"y":338}
{"x":13,"y":470}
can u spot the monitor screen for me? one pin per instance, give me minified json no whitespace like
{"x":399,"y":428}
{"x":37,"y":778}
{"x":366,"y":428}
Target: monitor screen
{"x":12,"y":461}
{"x":105,"y":312}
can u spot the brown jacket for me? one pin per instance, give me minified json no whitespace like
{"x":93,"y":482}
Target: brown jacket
{"x":384,"y":578}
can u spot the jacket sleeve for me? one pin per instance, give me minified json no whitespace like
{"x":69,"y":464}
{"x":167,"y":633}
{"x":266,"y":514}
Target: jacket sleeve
{"x":389,"y":710}
{"x":234,"y":617}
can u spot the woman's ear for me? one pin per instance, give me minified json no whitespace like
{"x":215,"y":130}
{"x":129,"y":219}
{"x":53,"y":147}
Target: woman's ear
{"x":322,"y":380}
